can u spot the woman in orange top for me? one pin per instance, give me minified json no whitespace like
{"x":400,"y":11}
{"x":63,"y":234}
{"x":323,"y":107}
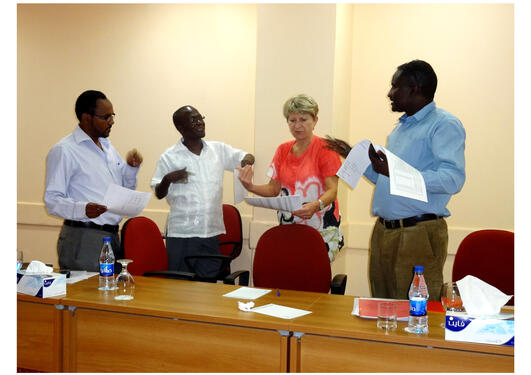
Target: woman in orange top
{"x":305,"y":167}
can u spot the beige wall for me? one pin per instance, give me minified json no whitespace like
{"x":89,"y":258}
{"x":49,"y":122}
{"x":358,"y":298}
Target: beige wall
{"x":237,"y":64}
{"x":149,"y":60}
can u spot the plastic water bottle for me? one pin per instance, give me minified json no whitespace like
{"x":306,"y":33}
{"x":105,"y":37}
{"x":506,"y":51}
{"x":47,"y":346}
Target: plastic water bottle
{"x":107,"y":266}
{"x":418,"y":302}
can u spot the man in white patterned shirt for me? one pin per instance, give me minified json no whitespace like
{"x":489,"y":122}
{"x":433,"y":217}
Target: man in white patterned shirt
{"x":190,"y":176}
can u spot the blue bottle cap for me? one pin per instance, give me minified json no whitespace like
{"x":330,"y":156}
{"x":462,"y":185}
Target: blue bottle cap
{"x":106,"y":239}
{"x":419,"y":268}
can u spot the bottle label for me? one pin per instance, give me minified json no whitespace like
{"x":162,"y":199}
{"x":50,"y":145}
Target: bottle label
{"x":417,"y":306}
{"x":106,"y":269}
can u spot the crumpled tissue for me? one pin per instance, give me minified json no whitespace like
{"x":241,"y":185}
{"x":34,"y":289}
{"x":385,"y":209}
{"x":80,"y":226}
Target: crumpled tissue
{"x":38,"y":267}
{"x":480,"y":298}
{"x":245,"y":306}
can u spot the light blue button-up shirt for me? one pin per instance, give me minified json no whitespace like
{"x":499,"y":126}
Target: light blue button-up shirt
{"x":79,"y":172}
{"x":433,"y":141}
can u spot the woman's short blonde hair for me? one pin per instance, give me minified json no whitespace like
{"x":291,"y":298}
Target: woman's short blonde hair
{"x":301,"y":103}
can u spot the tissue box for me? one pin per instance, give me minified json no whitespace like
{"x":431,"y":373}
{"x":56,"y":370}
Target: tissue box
{"x":486,"y":330}
{"x":41,"y":285}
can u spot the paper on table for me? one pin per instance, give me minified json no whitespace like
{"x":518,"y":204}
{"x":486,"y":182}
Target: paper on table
{"x":125,"y":202}
{"x":247,"y":293}
{"x":405,"y":180}
{"x":287,"y":203}
{"x":279,"y":311}
{"x":239,"y":191}
{"x":76,"y":276}
{"x":355,"y":164}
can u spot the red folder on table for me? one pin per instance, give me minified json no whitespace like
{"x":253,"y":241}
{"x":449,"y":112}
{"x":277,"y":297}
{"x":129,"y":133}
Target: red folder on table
{"x":368,"y":307}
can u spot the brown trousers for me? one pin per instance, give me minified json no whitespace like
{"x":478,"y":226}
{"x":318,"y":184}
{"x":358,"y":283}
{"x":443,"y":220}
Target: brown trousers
{"x":394,"y":253}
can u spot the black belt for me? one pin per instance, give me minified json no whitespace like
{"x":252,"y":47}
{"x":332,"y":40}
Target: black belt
{"x":408,"y":221}
{"x":90,"y":224}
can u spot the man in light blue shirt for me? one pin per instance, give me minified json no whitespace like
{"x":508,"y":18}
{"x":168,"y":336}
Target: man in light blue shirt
{"x":410,"y":232}
{"x":79,"y":168}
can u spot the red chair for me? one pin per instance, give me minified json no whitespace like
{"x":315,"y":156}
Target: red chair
{"x":230,"y":245}
{"x":294,"y":256}
{"x":143,"y":243}
{"x":488,"y":255}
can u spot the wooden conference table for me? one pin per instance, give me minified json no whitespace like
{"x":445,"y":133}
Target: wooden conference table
{"x":183,"y":326}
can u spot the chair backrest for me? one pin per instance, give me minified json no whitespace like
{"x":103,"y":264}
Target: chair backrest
{"x":292,"y":256}
{"x":230,"y":243}
{"x":143,"y":243}
{"x":488,"y":255}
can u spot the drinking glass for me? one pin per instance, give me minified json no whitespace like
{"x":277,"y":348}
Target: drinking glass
{"x":125,"y":284}
{"x":386,"y":316}
{"x":20,"y":259}
{"x":450,"y":298}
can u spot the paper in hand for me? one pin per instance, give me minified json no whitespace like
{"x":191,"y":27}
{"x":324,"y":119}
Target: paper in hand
{"x":288,"y":203}
{"x":355,"y":164}
{"x":125,"y":202}
{"x":405,"y":180}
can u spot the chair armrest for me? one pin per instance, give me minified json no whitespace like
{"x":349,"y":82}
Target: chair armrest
{"x":338,"y":284}
{"x":225,"y":261}
{"x":229,"y":243}
{"x":172,"y":274}
{"x":243,"y":278}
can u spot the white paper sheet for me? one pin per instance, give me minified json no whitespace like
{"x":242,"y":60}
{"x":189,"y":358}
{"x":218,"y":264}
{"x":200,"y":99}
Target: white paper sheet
{"x":279,"y":311}
{"x":76,"y":276}
{"x":355,"y":164}
{"x":405,"y":180}
{"x":288,"y":203}
{"x":125,"y":202}
{"x":247,"y":293}
{"x":239,"y":191}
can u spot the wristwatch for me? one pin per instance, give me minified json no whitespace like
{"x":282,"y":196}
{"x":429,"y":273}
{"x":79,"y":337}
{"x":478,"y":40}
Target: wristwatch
{"x":321,"y":205}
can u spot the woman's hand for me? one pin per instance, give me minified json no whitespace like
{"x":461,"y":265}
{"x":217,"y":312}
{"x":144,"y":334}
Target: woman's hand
{"x":246,"y":176}
{"x":307,"y":210}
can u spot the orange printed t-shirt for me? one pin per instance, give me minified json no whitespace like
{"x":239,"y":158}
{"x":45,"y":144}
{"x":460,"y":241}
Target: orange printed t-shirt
{"x":304,"y":175}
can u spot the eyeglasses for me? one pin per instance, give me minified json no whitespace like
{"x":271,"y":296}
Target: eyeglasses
{"x":196,"y":120}
{"x":107,"y":118}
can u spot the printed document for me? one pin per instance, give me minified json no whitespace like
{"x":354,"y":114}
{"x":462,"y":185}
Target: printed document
{"x":279,"y":311}
{"x":355,"y":164}
{"x":247,"y":293}
{"x":125,"y":202}
{"x":287,"y":203}
{"x":404,"y":180}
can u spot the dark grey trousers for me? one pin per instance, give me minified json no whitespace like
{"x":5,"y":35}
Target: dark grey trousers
{"x":79,"y":248}
{"x":178,"y":248}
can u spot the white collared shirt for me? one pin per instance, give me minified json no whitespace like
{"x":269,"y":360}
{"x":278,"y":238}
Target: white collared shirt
{"x":79,"y":172}
{"x":196,"y":206}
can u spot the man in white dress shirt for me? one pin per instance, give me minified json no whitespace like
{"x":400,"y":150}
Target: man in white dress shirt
{"x":79,"y":168}
{"x":190,"y":176}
